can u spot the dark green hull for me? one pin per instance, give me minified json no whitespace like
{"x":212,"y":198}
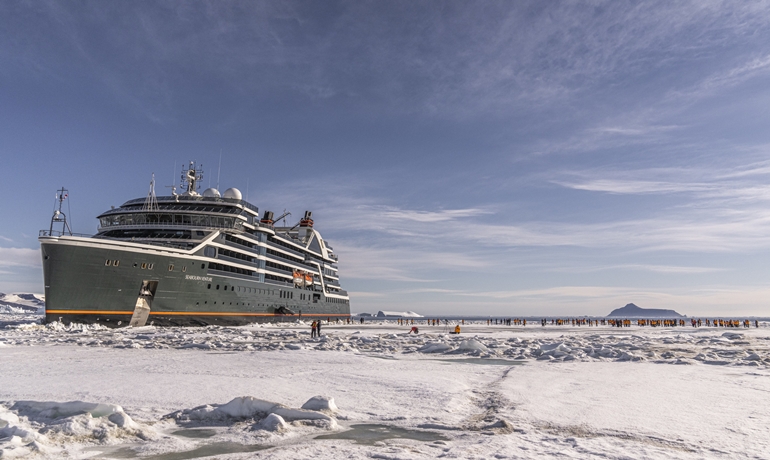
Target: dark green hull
{"x":81,"y":287}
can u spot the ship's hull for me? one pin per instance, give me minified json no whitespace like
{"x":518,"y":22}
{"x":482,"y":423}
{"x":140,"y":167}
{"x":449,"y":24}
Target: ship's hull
{"x":83,"y":284}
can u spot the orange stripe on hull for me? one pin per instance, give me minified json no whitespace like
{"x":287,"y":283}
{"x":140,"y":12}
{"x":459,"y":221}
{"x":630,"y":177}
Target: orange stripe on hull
{"x":89,"y":312}
{"x":214,"y":313}
{"x":179,"y":313}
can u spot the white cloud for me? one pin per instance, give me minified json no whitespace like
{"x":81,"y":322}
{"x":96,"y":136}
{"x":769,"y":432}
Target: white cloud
{"x":20,"y":257}
{"x":632,"y":187}
{"x":674,"y":269}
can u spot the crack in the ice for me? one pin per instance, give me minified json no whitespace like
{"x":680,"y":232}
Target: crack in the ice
{"x":492,"y":402}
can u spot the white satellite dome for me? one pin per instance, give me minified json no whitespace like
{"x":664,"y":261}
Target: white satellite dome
{"x":211,"y":192}
{"x":233,"y":193}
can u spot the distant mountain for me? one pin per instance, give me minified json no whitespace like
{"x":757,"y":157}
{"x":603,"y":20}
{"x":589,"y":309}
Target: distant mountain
{"x":31,"y":303}
{"x":632,"y":311}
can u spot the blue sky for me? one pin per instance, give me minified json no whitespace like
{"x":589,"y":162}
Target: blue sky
{"x":502,"y":158}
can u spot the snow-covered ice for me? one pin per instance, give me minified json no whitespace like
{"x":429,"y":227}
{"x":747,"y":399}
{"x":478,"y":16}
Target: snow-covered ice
{"x":270,"y":391}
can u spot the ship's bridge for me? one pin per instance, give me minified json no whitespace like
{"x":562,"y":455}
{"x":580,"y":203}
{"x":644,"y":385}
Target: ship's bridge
{"x":181,"y":211}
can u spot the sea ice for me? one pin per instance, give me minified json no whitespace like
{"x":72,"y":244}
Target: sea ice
{"x":321,"y":403}
{"x":575,"y":393}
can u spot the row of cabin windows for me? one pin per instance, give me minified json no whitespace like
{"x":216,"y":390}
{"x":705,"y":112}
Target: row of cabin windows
{"x":227,"y":268}
{"x":282,"y":255}
{"x":278,"y":266}
{"x":243,"y":289}
{"x":275,"y":278}
{"x":337,"y":300}
{"x":144,"y":265}
{"x":175,"y":219}
{"x":241,"y":271}
{"x":237,"y":255}
{"x":163,"y":234}
{"x":232,"y":288}
{"x":182,"y":207}
{"x":282,"y":294}
{"x":242,"y":242}
{"x":185,"y":207}
{"x":281,"y":243}
{"x":205,"y":302}
{"x":241,"y":256}
{"x":274,"y":240}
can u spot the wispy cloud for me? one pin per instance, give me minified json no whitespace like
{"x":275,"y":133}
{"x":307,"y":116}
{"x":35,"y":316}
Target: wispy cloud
{"x":674,"y":269}
{"x":20,"y":257}
{"x":457,"y":60}
{"x":738,"y":183}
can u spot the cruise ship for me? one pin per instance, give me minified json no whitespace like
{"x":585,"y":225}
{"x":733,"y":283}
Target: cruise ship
{"x":189,"y":259}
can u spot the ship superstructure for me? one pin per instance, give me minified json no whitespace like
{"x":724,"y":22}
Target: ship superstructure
{"x":190,"y":259}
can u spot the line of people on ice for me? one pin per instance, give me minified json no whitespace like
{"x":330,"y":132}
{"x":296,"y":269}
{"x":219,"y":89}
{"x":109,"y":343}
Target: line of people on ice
{"x":649,"y":322}
{"x":507,"y":322}
{"x":574,"y":322}
{"x":577,"y":322}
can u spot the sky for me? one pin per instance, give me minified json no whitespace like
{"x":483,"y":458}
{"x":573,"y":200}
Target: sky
{"x":472,"y":158}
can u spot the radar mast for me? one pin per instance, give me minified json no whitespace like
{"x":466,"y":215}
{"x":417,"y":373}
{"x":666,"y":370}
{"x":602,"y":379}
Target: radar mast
{"x":151,"y":203}
{"x":58,"y":216}
{"x":190,"y":178}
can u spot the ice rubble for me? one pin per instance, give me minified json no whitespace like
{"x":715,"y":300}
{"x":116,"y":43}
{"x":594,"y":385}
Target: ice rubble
{"x":704,"y":346}
{"x":28,"y":427}
{"x":321,"y":403}
{"x":266,"y":415}
{"x":43,"y":427}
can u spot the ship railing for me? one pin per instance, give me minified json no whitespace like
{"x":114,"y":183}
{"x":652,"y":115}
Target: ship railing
{"x":60,"y":233}
{"x":286,"y":284}
{"x":284,"y":248}
{"x":199,"y":199}
{"x":279,"y":270}
{"x":274,"y":258}
{"x":180,"y":244}
{"x":242,"y":247}
{"x":238,"y":261}
{"x":164,"y":224}
{"x":213,"y":271}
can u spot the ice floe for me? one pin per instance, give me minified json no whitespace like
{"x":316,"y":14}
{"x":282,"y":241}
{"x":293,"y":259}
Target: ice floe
{"x":28,"y":427}
{"x":706,"y":345}
{"x":394,"y":395}
{"x":254,"y":410}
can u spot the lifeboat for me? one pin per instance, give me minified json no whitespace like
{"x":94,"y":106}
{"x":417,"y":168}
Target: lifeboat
{"x":298,"y":278}
{"x":308,"y":279}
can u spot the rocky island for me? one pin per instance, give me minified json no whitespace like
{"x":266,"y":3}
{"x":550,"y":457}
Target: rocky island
{"x":632,"y":311}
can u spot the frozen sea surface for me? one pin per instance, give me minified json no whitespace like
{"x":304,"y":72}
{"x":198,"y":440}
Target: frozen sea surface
{"x":373,"y":391}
